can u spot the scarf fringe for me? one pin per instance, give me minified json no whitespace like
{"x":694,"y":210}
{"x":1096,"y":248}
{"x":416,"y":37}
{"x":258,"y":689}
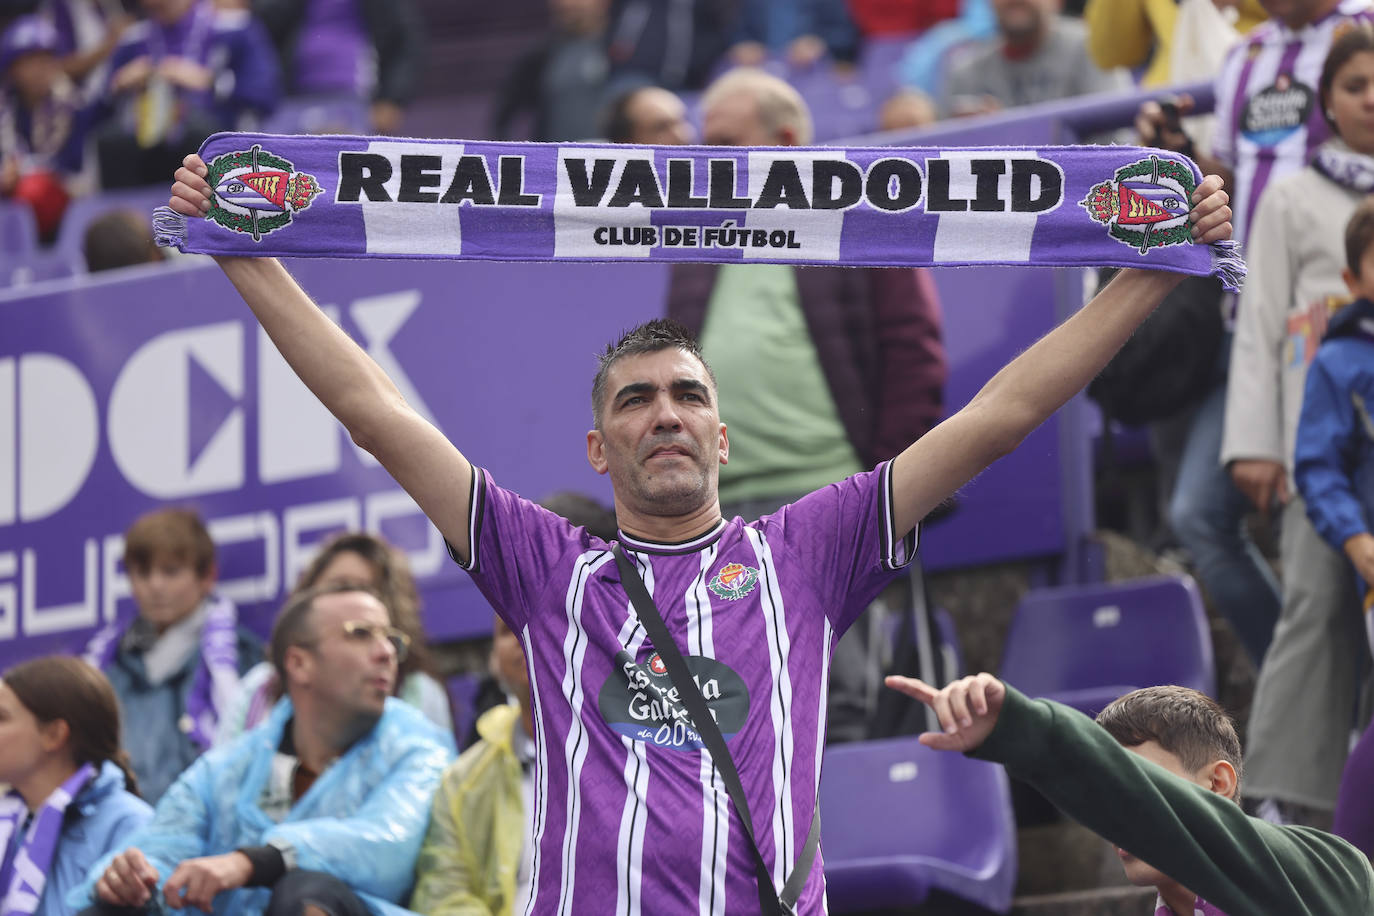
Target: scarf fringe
{"x":1228,"y":265}
{"x":169,"y":228}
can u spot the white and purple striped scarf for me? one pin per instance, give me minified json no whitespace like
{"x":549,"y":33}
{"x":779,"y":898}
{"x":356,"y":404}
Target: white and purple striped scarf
{"x":24,"y":874}
{"x":340,"y":196}
{"x":216,"y":679}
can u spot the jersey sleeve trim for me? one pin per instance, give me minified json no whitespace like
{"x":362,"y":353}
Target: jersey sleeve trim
{"x":897,"y":553}
{"x":476,"y":504}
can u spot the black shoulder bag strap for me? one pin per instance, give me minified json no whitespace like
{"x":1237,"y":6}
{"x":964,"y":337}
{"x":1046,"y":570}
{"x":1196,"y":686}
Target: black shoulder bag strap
{"x":772,"y":902}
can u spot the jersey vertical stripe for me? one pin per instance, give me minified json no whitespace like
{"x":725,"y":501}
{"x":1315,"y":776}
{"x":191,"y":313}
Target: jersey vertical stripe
{"x":575,"y":746}
{"x":715,"y":814}
{"x":541,"y":769}
{"x":826,"y":647}
{"x":630,"y":843}
{"x":779,"y":649}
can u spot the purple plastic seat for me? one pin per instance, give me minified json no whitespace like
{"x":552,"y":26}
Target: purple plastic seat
{"x":899,"y":820}
{"x":1087,"y":645}
{"x":18,"y":243}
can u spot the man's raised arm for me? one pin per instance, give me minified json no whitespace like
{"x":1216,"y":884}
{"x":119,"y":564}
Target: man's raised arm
{"x":1042,"y":379}
{"x":345,"y":379}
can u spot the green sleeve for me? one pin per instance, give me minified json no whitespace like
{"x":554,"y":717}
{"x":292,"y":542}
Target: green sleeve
{"x":1200,"y":839}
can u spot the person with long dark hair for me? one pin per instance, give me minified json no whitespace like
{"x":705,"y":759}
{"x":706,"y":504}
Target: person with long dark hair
{"x":72,"y":789}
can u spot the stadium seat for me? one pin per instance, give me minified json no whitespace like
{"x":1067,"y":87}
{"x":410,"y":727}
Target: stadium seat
{"x":899,"y":820}
{"x":949,"y":643}
{"x":1087,"y":645}
{"x":18,"y":241}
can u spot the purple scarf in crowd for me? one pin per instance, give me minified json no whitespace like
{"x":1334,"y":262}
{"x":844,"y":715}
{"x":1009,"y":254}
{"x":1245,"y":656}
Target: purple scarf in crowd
{"x":215,"y":682}
{"x":343,"y":197}
{"x":24,"y":874}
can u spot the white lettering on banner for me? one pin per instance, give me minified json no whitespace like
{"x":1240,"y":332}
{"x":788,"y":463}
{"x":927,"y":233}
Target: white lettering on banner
{"x":248,"y":529}
{"x":149,"y":413}
{"x":9,"y":482}
{"x":9,"y":596}
{"x":43,"y":463}
{"x":383,"y":505}
{"x":116,"y":583}
{"x":50,"y":421}
{"x":297,"y":436}
{"x":59,"y":618}
{"x":333,"y":515}
{"x":278,"y":536}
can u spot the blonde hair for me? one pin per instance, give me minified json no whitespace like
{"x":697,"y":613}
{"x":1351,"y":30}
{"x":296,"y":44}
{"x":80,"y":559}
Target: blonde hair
{"x":780,"y":106}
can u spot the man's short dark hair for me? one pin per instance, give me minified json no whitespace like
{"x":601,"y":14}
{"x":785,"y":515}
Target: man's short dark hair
{"x":1188,"y":724}
{"x":294,"y":626}
{"x":119,"y":238}
{"x":649,"y":337}
{"x":1359,"y":235}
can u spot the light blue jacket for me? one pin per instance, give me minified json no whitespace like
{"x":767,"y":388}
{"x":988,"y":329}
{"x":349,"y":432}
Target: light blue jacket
{"x":101,"y":818}
{"x":362,"y":820}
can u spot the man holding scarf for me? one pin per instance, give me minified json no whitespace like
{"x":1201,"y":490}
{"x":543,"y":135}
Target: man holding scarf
{"x":631,"y":815}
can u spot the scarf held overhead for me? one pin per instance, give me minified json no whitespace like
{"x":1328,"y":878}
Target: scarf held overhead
{"x":339,"y":196}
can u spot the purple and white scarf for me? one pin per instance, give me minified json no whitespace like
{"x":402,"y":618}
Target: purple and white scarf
{"x":1347,"y":168}
{"x":24,"y":874}
{"x":341,"y":196}
{"x":214,"y":685}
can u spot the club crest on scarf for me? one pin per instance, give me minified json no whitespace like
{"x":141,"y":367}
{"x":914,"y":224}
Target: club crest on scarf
{"x":733,"y":581}
{"x":256,"y":192}
{"x":1146,"y":204}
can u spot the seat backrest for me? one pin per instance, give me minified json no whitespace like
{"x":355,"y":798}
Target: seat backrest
{"x":895,"y":805}
{"x":1121,"y":635}
{"x":18,"y":232}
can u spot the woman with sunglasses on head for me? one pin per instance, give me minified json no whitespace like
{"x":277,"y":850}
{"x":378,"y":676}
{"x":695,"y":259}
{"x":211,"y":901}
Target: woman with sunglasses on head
{"x":355,"y":558}
{"x":71,"y":797}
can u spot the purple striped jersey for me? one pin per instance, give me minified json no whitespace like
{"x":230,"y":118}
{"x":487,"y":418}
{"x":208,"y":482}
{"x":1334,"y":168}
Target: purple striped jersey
{"x":631,"y":815}
{"x":1269,"y":119}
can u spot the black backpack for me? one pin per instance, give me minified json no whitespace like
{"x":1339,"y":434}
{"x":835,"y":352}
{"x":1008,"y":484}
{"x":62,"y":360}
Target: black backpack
{"x":1171,"y":360}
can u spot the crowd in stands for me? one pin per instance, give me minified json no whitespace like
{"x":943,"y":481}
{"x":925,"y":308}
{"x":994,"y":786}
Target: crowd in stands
{"x":319,"y":770}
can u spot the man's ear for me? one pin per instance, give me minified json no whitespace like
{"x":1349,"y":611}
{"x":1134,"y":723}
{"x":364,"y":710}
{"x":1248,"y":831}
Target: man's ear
{"x":724,"y":445}
{"x":1222,"y":778}
{"x":298,"y":664}
{"x":596,"y":451}
{"x":1351,"y":282}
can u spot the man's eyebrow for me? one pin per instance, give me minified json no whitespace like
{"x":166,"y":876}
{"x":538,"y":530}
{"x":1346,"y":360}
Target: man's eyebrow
{"x":692,"y":384}
{"x":633,"y":388}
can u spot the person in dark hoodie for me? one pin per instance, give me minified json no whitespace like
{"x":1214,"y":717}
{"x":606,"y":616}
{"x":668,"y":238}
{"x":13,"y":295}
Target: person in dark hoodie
{"x":1334,"y":470}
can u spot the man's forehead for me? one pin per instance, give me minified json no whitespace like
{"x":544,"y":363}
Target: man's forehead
{"x":338,"y":607}
{"x":671,"y":364}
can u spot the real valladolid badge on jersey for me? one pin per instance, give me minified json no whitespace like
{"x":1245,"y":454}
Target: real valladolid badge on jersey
{"x":257,"y":192}
{"x":1146,"y":204}
{"x":734,"y":581}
